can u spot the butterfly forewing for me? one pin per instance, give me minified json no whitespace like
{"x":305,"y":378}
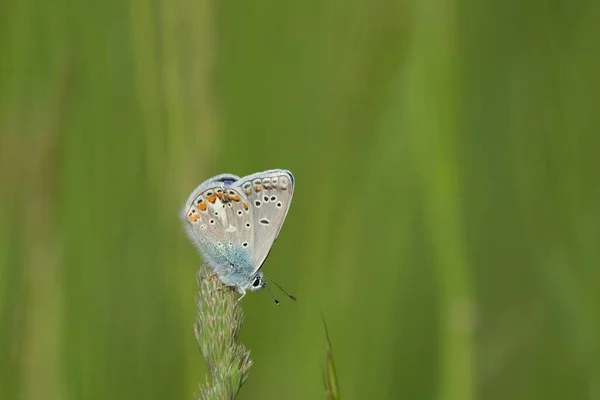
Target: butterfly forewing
{"x":269,"y":195}
{"x":219,"y":221}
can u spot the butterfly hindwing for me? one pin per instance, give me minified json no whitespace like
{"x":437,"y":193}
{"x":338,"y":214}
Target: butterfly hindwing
{"x":269,"y":195}
{"x":219,"y":221}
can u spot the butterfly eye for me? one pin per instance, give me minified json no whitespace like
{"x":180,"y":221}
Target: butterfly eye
{"x":256,"y":282}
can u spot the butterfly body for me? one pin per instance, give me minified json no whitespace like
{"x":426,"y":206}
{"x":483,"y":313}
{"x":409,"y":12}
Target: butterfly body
{"x":234,"y":221}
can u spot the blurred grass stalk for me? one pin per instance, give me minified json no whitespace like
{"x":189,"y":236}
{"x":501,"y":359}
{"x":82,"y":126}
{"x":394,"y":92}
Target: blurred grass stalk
{"x":218,"y":323}
{"x":329,"y":375}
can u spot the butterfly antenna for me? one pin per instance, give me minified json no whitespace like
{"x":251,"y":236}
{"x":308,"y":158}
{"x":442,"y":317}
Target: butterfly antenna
{"x":280,"y":288}
{"x":271,"y":293}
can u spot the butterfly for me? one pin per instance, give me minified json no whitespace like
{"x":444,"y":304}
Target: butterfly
{"x":234,"y":222}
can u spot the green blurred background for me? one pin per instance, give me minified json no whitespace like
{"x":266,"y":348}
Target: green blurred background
{"x":446,"y":219}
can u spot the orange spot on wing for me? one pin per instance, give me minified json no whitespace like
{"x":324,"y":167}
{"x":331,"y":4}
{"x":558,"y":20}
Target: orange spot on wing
{"x":245,"y":206}
{"x":211,"y":198}
{"x":202,"y":206}
{"x":257,"y":188}
{"x":193,"y":217}
{"x":220,"y":195}
{"x":235,"y":197}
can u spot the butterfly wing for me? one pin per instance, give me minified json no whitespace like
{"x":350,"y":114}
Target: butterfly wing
{"x":223,"y":180}
{"x":269,"y":196}
{"x":218,"y":220}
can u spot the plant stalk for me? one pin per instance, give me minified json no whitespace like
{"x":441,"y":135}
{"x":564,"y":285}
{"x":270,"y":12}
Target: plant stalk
{"x":218,"y":322}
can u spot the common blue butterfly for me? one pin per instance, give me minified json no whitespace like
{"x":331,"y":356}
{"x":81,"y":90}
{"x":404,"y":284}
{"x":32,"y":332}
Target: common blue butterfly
{"x":234,"y":221}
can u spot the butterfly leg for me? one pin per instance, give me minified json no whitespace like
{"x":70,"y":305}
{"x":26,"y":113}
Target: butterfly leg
{"x":243,"y":292}
{"x":205,"y":277}
{"x":213,"y":291}
{"x":226,"y":271}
